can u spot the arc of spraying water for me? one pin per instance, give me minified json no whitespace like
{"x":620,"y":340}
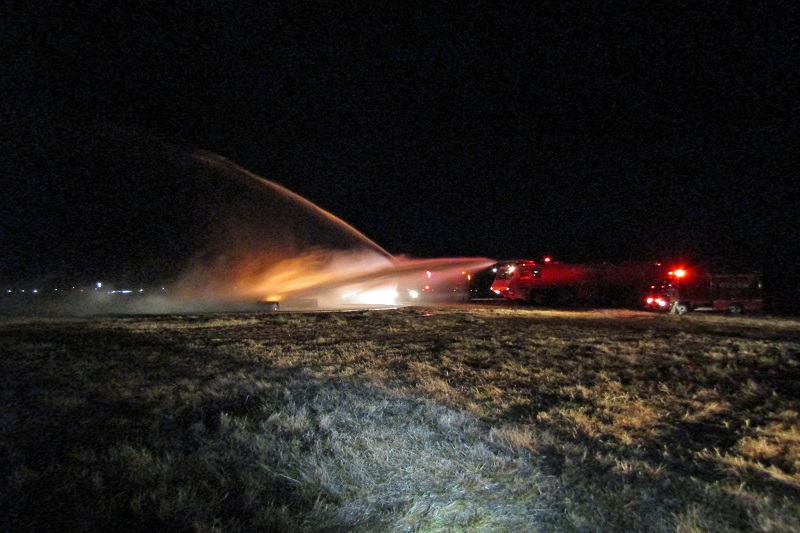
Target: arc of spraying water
{"x":224,"y":163}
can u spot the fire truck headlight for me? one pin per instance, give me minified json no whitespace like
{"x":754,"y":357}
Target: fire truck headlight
{"x":413,"y":293}
{"x":649,"y":300}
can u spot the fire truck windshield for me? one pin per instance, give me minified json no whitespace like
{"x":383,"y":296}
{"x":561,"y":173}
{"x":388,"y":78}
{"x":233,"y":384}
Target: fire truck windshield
{"x":506,"y":272}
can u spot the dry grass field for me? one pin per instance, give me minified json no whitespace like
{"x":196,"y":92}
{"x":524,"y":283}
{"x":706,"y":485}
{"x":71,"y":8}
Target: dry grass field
{"x":418,"y":419}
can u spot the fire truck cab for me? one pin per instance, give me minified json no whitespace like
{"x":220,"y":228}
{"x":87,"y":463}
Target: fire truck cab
{"x":546,"y":283}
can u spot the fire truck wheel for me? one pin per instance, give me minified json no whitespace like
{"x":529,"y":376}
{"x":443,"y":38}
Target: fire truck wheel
{"x":680,"y":308}
{"x":735,"y":309}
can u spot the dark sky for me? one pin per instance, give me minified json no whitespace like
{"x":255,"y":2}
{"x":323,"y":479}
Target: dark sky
{"x":459,"y":128}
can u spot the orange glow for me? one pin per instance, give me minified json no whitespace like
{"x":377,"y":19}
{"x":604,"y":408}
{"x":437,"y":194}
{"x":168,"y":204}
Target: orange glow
{"x":273,"y":245}
{"x":303,"y":273}
{"x":680,"y":273}
{"x":348,"y":278}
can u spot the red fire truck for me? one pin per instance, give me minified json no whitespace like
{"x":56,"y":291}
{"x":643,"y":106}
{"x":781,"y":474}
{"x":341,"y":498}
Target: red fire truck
{"x":696,"y":289}
{"x":554,"y":283}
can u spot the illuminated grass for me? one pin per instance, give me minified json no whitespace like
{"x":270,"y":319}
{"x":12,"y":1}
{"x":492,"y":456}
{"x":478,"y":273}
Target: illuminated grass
{"x":472,"y":419}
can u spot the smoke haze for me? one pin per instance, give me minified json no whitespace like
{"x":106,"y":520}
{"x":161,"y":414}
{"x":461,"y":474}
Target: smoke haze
{"x":169,"y":230}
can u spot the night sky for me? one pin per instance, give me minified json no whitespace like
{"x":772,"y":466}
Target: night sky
{"x":587,"y":130}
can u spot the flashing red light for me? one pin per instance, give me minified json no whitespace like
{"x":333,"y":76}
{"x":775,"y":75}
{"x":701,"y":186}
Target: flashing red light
{"x":680,"y":273}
